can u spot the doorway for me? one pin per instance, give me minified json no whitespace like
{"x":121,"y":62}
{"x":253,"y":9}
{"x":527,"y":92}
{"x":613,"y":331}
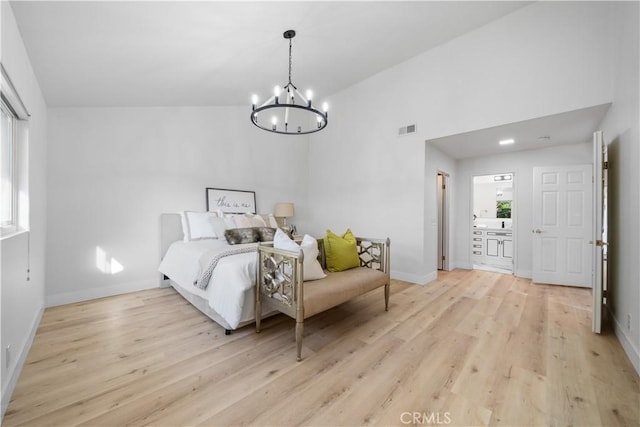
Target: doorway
{"x":492,"y":233}
{"x":443,"y":224}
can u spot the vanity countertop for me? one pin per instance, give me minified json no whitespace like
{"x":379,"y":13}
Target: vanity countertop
{"x":491,"y":229}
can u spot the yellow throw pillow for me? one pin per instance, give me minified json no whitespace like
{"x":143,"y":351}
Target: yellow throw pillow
{"x":340,"y":251}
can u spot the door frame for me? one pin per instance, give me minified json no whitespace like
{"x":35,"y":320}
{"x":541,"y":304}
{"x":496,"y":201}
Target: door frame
{"x":443,"y":219}
{"x":600,"y":223}
{"x":514,"y":216}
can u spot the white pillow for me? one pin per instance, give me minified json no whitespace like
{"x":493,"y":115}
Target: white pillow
{"x":198,"y":225}
{"x":229,"y":219}
{"x":270,"y":220}
{"x":230,"y":222}
{"x":311,"y":267}
{"x":255,"y":220}
{"x":219,"y":226}
{"x":247,"y":220}
{"x":185,"y":225}
{"x":243,"y":221}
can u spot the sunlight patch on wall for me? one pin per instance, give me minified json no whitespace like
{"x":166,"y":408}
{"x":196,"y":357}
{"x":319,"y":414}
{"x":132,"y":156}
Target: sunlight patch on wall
{"x":105,"y":264}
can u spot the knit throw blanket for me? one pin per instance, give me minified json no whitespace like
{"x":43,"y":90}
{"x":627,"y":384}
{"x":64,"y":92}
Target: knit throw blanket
{"x":203,"y":281}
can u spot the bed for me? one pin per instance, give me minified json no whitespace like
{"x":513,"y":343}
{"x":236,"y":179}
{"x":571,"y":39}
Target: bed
{"x":224,"y":293}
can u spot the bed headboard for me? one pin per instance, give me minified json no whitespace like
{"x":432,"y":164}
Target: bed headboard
{"x":170,"y":231}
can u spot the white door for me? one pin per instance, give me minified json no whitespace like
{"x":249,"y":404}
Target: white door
{"x":600,"y":248}
{"x":562,"y":225}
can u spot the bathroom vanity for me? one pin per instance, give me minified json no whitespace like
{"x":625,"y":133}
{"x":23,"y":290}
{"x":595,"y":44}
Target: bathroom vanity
{"x":492,"y":247}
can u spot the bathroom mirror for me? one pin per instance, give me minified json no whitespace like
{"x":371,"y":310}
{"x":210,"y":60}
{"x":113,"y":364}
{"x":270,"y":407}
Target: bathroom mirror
{"x":492,"y":199}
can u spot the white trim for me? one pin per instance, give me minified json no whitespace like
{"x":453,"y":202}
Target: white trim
{"x":514,"y":220}
{"x":465,"y":265}
{"x":627,"y":345}
{"x":11,"y":94}
{"x":15,"y":232}
{"x":414,"y":278}
{"x":107,"y":291}
{"x":15,"y":374}
{"x":525,"y":274}
{"x":10,"y":225}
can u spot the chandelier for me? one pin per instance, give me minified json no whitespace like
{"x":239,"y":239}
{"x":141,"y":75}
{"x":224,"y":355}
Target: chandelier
{"x":288,"y":112}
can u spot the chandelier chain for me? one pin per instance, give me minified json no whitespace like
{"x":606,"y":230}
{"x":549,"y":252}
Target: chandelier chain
{"x":289,"y":61}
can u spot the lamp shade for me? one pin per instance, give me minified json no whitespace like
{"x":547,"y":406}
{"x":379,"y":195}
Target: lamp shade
{"x":283,"y":210}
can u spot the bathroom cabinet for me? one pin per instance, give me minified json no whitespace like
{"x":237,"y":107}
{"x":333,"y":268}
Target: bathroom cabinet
{"x":492,"y":248}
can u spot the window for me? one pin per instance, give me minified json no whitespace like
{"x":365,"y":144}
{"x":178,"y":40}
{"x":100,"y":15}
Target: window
{"x":503,"y":209}
{"x":8,"y":188}
{"x":13,"y":158}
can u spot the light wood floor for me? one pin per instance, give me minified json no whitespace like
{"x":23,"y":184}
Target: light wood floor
{"x":473,"y":348}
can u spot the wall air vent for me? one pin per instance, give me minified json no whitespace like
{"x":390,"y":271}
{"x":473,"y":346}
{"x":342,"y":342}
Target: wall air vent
{"x":407,"y":130}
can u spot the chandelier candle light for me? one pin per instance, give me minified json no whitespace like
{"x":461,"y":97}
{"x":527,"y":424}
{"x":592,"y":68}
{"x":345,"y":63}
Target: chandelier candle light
{"x":297,"y":113}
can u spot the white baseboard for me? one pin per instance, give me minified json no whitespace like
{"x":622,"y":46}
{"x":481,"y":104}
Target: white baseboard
{"x":94,"y":293}
{"x":627,"y":345}
{"x":414,"y":278}
{"x":15,"y":374}
{"x":463,"y":265}
{"x":525,"y":274}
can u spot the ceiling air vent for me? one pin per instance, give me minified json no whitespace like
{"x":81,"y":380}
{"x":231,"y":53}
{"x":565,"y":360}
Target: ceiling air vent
{"x":407,"y":130}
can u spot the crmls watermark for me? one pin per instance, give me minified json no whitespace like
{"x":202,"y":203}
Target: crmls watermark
{"x":426,"y":418}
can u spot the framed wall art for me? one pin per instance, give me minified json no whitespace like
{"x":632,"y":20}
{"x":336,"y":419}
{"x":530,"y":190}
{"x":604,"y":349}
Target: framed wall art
{"x":231,"y":201}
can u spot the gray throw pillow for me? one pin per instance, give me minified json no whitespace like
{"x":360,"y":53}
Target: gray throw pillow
{"x":236,"y":236}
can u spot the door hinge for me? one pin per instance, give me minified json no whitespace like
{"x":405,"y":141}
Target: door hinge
{"x":605,"y":165}
{"x":444,"y":187}
{"x":443,"y":257}
{"x":604,"y":293}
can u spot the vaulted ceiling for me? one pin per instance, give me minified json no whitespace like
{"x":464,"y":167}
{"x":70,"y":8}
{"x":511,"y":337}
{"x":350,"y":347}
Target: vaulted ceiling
{"x":175,"y":53}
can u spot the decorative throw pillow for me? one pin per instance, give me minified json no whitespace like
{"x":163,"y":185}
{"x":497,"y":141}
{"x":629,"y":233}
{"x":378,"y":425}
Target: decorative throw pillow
{"x":269,"y":220}
{"x":236,"y":236}
{"x":266,"y":233}
{"x":309,"y":246}
{"x":198,"y":225}
{"x":255,"y":220}
{"x":242,"y":221}
{"x":219,"y":226}
{"x":230,"y":222}
{"x":229,"y":219}
{"x":341,"y":252}
{"x":248,"y":220}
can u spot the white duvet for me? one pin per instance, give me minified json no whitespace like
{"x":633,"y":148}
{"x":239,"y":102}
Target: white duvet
{"x":184,"y":263}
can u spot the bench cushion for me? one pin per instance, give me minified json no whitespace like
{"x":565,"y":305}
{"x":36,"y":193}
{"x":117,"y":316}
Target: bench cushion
{"x":340,"y":287}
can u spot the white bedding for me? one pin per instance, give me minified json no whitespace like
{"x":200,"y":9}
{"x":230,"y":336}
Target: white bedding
{"x":184,"y":262}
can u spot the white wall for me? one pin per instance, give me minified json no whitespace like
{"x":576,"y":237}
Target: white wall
{"x":113,"y":171}
{"x":620,"y":128}
{"x":521,"y":164}
{"x":22,"y":300}
{"x":542,"y":59}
